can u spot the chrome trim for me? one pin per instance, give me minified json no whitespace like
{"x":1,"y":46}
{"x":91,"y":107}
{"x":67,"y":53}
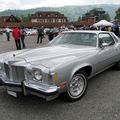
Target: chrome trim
{"x":14,"y":73}
{"x":48,"y":93}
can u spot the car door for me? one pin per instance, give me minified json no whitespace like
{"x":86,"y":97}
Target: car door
{"x":107,"y":55}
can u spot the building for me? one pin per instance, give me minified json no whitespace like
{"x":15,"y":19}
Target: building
{"x":3,"y":19}
{"x":43,"y":18}
{"x":48,"y":17}
{"x":93,"y":16}
{"x":10,"y":21}
{"x":10,"y":18}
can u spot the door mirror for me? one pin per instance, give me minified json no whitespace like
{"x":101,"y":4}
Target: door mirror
{"x":104,"y":45}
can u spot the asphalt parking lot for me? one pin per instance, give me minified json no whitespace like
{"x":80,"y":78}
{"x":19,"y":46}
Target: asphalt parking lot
{"x":101,"y":101}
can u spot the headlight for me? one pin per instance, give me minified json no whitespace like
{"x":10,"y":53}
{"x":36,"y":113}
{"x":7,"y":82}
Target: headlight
{"x":37,"y":75}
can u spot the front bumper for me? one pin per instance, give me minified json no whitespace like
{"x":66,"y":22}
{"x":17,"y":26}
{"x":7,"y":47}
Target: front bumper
{"x":48,"y":92}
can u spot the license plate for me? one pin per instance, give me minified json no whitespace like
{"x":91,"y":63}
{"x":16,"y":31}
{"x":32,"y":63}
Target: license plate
{"x":14,"y":94}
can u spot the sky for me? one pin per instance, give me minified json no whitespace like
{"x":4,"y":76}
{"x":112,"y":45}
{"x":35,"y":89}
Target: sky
{"x":27,"y":4}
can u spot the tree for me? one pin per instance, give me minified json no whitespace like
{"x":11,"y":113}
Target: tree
{"x":117,"y":14}
{"x":107,"y":17}
{"x":26,"y":18}
{"x":79,"y":19}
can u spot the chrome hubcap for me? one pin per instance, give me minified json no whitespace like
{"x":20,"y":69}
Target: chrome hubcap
{"x":76,"y":86}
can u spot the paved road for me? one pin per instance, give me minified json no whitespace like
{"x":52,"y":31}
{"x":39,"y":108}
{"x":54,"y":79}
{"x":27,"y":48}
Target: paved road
{"x":101,"y":101}
{"x":30,"y":41}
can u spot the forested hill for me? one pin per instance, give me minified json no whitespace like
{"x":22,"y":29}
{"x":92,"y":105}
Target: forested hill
{"x":72,"y":12}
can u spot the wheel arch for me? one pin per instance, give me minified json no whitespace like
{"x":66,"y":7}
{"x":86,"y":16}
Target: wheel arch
{"x":86,"y":68}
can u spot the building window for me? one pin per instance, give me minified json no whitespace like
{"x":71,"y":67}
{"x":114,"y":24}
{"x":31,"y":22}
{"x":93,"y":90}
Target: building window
{"x":4,"y":19}
{"x":59,"y":20}
{"x":50,"y":20}
{"x":11,"y":19}
{"x":56,"y":20}
{"x":53,"y":20}
{"x":45,"y":20}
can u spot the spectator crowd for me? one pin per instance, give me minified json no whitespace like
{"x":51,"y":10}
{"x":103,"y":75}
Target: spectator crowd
{"x":19,"y":33}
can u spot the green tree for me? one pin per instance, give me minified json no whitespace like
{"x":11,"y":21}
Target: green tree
{"x":117,"y":14}
{"x":107,"y":17}
{"x":26,"y":18}
{"x":79,"y":19}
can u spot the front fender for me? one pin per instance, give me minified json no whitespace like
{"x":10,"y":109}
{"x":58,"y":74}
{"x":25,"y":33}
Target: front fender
{"x":81,"y":66}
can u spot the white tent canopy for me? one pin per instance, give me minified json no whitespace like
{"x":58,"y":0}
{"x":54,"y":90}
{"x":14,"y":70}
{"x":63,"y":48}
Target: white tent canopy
{"x":103,"y":23}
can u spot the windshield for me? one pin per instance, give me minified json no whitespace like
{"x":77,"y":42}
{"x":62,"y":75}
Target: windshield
{"x":86,"y":39}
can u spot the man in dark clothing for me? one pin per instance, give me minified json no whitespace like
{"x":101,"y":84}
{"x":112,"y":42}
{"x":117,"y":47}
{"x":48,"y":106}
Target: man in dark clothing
{"x":16,"y":34}
{"x":116,"y":30}
{"x":40,"y":35}
{"x":50,"y":35}
{"x":103,"y":28}
{"x":23,"y":33}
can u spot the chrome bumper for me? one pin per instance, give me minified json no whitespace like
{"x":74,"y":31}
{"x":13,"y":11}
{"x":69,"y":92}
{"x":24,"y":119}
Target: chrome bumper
{"x":48,"y":93}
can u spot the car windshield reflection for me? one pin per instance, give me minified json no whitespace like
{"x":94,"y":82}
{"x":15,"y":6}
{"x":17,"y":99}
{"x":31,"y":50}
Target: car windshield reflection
{"x":85,"y":39}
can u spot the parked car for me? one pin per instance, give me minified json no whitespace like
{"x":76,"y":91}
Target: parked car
{"x":31,"y":31}
{"x":63,"y":68}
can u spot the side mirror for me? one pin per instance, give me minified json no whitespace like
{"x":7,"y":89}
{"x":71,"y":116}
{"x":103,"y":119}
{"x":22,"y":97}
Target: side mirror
{"x":104,"y":45}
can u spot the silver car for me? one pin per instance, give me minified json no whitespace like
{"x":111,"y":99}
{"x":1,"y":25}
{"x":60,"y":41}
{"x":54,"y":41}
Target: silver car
{"x":63,"y":67}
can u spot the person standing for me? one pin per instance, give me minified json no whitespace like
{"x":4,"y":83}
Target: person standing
{"x":50,"y":35}
{"x":23,"y":33}
{"x":17,"y":34}
{"x":7,"y":31}
{"x":40,"y":35}
{"x":116,"y":30}
{"x":110,"y":29}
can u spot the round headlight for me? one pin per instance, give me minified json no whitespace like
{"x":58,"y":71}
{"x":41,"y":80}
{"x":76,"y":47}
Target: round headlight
{"x":37,"y":75}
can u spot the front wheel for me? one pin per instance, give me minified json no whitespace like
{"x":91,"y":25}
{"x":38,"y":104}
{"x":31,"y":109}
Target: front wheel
{"x":76,"y":86}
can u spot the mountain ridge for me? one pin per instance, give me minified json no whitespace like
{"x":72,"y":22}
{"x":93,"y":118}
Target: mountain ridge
{"x":71,"y":12}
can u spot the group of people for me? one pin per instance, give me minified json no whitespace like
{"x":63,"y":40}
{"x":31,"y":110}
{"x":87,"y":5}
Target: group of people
{"x":18,"y":35}
{"x":51,"y":34}
{"x":114,"y":29}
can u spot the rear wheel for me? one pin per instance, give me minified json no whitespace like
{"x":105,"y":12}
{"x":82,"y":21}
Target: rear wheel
{"x":76,"y":86}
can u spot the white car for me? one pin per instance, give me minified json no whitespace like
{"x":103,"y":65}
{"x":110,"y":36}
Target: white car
{"x":31,"y":32}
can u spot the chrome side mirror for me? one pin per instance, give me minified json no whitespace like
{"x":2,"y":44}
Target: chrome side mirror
{"x":104,"y":45}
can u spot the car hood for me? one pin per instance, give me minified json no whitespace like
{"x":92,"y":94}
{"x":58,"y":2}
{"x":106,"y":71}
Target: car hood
{"x":53,"y":55}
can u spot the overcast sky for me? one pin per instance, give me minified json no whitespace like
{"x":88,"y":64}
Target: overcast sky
{"x":26,"y":4}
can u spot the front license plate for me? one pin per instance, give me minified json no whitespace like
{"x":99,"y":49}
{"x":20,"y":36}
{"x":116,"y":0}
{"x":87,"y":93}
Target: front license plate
{"x":14,"y":94}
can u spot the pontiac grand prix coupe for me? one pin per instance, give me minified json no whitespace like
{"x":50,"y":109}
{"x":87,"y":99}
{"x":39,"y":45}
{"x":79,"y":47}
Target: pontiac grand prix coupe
{"x":63,"y":67}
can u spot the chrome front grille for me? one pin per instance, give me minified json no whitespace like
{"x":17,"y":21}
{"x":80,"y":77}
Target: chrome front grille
{"x":14,"y":73}
{"x":6,"y":67}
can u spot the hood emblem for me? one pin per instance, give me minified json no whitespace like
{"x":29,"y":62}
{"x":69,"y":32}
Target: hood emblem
{"x":13,"y":55}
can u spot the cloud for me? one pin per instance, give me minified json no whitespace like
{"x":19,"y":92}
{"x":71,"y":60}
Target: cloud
{"x":56,"y":3}
{"x":26,"y":4}
{"x":9,"y":4}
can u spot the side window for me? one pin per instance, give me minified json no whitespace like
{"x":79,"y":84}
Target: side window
{"x":114,"y":37}
{"x":106,"y":38}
